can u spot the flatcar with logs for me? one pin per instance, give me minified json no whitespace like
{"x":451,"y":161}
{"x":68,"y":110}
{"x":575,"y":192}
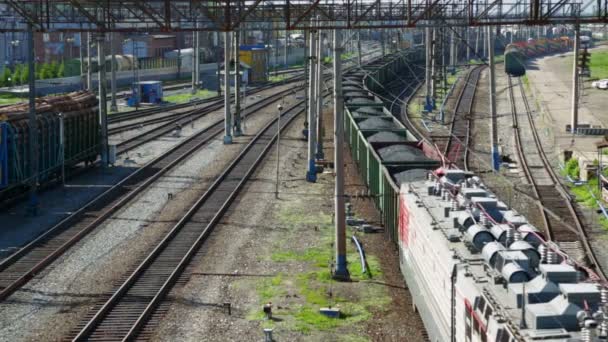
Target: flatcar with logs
{"x":81,"y":139}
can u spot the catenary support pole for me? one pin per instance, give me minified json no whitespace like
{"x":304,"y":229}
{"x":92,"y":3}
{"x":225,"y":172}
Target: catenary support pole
{"x":311,"y":173}
{"x":103,"y":104}
{"x":306,"y":81}
{"x":227,"y":114}
{"x":468,"y":44}
{"x":237,"y":85}
{"x":452,"y":50}
{"x":113,"y":105}
{"x":218,"y":62}
{"x":428,"y":81}
{"x":89,"y":62}
{"x":320,"y":132}
{"x":195,"y":58}
{"x":493,"y":124}
{"x":83,"y":77}
{"x":434,"y":67}
{"x":286,"y":50}
{"x":33,"y":123}
{"x":574,"y":123}
{"x":382,"y":42}
{"x":359,"y":48}
{"x":341,"y":270}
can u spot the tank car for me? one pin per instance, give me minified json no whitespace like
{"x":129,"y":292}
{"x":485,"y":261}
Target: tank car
{"x":514,"y":61}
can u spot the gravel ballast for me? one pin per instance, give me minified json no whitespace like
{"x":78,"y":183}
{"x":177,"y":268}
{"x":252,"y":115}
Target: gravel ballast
{"x":53,"y":303}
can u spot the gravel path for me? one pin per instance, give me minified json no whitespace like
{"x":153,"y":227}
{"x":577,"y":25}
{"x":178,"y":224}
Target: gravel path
{"x":51,"y":304}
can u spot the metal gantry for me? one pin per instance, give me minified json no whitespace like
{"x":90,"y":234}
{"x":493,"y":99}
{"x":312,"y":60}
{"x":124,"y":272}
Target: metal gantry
{"x":227,"y":15}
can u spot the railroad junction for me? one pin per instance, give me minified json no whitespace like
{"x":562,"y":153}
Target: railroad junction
{"x":378,"y":171}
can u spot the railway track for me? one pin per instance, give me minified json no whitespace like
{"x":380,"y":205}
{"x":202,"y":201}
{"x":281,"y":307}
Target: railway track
{"x":20,"y":267}
{"x":457,"y":142}
{"x":125,"y":312}
{"x":560,"y":218}
{"x":170,"y":112}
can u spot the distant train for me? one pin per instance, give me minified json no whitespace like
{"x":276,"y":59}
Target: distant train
{"x":517,"y":53}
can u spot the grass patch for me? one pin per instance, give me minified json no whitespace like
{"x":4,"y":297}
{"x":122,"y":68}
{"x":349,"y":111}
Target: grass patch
{"x":583,"y":193}
{"x":270,"y":288}
{"x":6,"y":99}
{"x":183,"y":98}
{"x":277,"y":78}
{"x":598,"y":64}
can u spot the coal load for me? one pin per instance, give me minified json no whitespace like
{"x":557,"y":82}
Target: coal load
{"x":361,"y":101}
{"x":376,"y":123}
{"x":401,"y":154}
{"x":386,"y":137}
{"x":410,"y":176}
{"x":352,"y":88}
{"x":369,"y":111}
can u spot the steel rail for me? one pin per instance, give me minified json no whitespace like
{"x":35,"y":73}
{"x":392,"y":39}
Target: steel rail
{"x":20,"y":267}
{"x":522,"y":156}
{"x":467,"y":94}
{"x":554,"y":233}
{"x":146,"y":287}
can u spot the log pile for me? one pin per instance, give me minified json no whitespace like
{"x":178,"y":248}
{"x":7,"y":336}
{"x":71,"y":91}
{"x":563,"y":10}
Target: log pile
{"x":72,"y":104}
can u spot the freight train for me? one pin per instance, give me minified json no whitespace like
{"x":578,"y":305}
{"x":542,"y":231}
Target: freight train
{"x":477,"y":270}
{"x":81,"y":139}
{"x":517,"y":53}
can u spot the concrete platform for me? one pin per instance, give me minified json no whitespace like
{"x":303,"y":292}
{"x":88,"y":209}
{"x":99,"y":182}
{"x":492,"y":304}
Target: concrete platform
{"x":550,"y":81}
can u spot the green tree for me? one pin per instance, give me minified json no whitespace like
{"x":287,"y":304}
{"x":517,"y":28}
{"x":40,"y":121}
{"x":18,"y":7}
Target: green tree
{"x":61,"y":70}
{"x":54,"y":68}
{"x":25,"y":75}
{"x":39,"y":70}
{"x":5,"y":78}
{"x":45,"y":71}
{"x":16,"y":77}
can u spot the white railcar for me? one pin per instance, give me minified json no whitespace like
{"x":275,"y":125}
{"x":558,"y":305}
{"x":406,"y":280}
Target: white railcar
{"x":478,"y":271}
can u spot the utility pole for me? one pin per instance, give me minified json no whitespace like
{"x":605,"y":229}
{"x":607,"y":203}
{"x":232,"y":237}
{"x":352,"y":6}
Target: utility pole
{"x":575,"y":74}
{"x":33,"y":123}
{"x":320,"y":155}
{"x":428,"y":70}
{"x":113,"y":105}
{"x":311,"y":174}
{"x":341,"y":271}
{"x":493,"y":125}
{"x":227,"y":115}
{"x":237,"y":85}
{"x":89,"y":62}
{"x":103,"y":104}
